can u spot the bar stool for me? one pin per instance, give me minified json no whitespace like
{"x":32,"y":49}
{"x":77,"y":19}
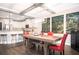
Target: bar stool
{"x":25,"y":39}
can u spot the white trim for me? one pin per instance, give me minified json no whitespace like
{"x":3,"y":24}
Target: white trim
{"x":64,"y":23}
{"x":50,"y":24}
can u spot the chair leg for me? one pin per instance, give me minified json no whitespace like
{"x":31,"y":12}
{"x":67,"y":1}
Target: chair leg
{"x":36,"y":47}
{"x":60,"y":53}
{"x":63,"y":52}
{"x":53,"y":52}
{"x":24,"y":42}
{"x":49,"y":51}
{"x":40,"y":47}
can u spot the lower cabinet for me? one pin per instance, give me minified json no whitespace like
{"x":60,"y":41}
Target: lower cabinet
{"x":75,"y":40}
{"x":10,"y":38}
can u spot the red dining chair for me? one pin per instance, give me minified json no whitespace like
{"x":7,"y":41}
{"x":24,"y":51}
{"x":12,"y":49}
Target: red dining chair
{"x":50,"y":33}
{"x":60,"y":47}
{"x":25,"y":34}
{"x":25,"y":37}
{"x":30,"y":45}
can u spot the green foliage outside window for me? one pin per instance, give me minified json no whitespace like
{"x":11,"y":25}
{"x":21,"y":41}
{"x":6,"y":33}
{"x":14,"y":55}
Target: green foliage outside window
{"x":72,"y":21}
{"x":57,"y":24}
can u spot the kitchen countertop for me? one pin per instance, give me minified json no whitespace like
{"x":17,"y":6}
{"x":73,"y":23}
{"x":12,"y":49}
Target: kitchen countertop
{"x":11,"y":32}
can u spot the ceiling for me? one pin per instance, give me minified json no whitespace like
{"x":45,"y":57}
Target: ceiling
{"x":18,"y":11}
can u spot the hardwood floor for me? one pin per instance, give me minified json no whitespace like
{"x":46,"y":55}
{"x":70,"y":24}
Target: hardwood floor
{"x":22,"y":50}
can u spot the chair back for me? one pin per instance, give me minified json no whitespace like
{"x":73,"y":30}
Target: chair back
{"x":50,"y":33}
{"x":25,"y":33}
{"x":63,"y":39}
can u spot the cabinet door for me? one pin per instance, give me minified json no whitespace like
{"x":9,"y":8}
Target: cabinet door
{"x":77,"y":39}
{"x":73,"y":40}
{"x":0,"y":25}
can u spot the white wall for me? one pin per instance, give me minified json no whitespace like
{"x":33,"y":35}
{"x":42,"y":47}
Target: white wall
{"x":37,"y":23}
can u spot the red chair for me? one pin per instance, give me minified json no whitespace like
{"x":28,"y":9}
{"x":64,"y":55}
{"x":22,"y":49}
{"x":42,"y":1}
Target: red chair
{"x":50,"y":33}
{"x":25,"y":33}
{"x":60,"y":47}
{"x":25,"y":37}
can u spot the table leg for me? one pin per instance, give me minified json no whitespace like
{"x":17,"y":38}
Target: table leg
{"x":45,"y":48}
{"x":26,"y":42}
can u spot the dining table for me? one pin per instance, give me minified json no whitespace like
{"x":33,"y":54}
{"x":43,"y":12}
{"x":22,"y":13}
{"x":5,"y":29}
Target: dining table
{"x":44,"y":38}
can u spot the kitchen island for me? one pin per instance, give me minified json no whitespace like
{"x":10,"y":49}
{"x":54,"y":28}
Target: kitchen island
{"x":10,"y":37}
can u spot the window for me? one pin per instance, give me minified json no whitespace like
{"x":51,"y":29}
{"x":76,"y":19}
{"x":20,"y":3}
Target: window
{"x":72,"y":21}
{"x":46,"y":25}
{"x":57,"y":24}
